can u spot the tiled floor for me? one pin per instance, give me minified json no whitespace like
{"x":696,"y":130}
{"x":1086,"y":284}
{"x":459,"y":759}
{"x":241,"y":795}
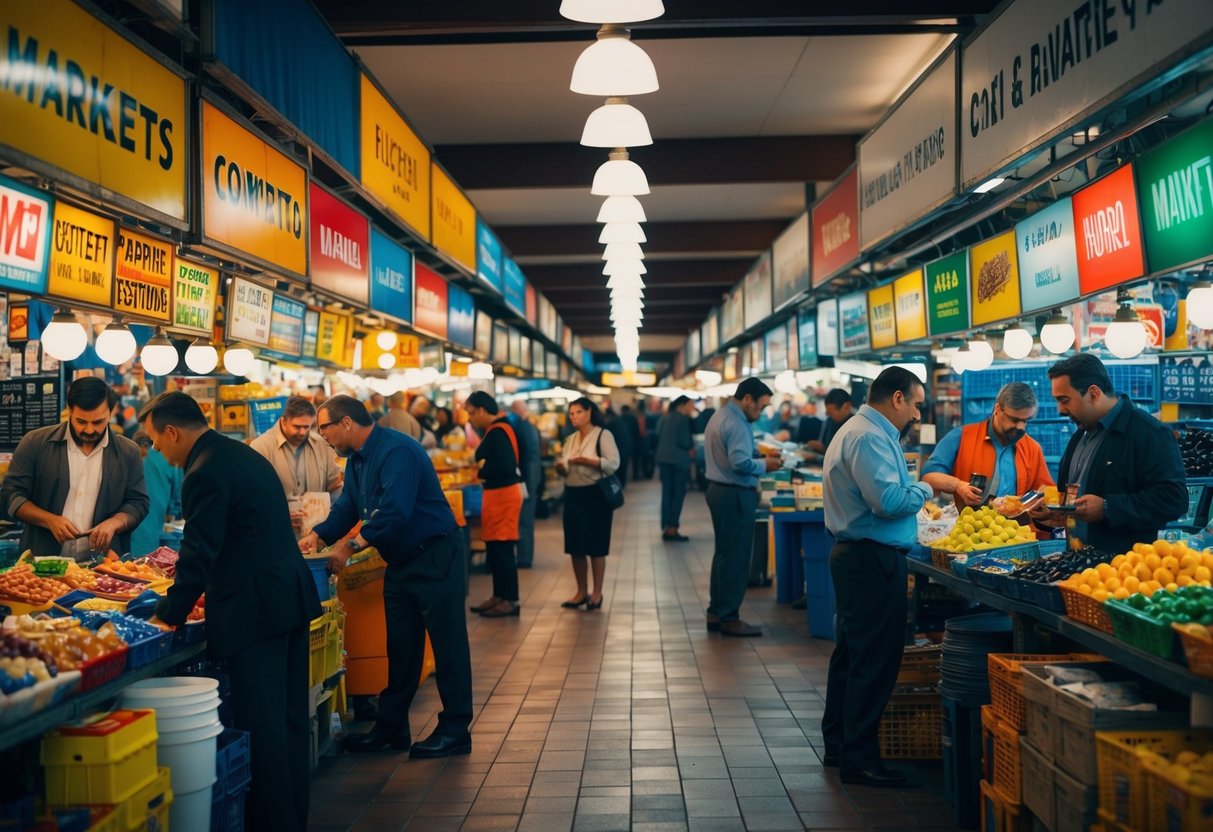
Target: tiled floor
{"x":631,"y":717}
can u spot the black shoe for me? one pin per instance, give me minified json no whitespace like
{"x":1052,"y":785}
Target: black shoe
{"x":876,"y":775}
{"x":504,"y":609}
{"x":378,"y":738}
{"x":440,"y":745}
{"x":829,"y":760}
{"x":713,"y":624}
{"x":592,"y":605}
{"x":739,"y":629}
{"x":572,"y":605}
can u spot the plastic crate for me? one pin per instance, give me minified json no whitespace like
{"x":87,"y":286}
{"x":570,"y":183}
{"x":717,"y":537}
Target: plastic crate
{"x":1197,"y":641}
{"x":1006,"y":683}
{"x":1085,"y":609}
{"x":233,"y":760}
{"x":191,"y":632}
{"x":96,"y":672}
{"x":1038,"y":784}
{"x":1053,"y":436}
{"x":1175,"y":806}
{"x":1123,"y":787}
{"x":1046,"y":596}
{"x":227,"y":810}
{"x":1140,"y":630}
{"x":1001,"y":743}
{"x":103,"y":761}
{"x":147,"y":650}
{"x":912,"y":728}
{"x":147,"y":809}
{"x":920,"y":665}
{"x":1075,"y":804}
{"x":1040,"y":722}
{"x":318,"y":565}
{"x":1001,"y":815}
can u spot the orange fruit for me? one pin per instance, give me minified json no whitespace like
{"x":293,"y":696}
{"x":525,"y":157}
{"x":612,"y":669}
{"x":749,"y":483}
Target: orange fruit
{"x":1162,"y":547}
{"x":1171,"y":564}
{"x":1163,"y":576}
{"x":1202,"y":573}
{"x":1143,"y":572}
{"x":1084,"y":589}
{"x":1121,"y":594}
{"x":1153,"y":561}
{"x":1131,"y":584}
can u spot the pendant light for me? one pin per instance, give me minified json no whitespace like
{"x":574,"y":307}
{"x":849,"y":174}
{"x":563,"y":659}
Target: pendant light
{"x":386,"y":361}
{"x":64,"y":338}
{"x":386,"y":340}
{"x":619,"y":176}
{"x":1017,"y":343}
{"x":619,"y":281}
{"x":480,"y":371}
{"x":238,"y":360}
{"x":201,"y":356}
{"x":116,"y":345}
{"x":960,"y":358}
{"x":1200,"y":304}
{"x":622,"y":232}
{"x":1126,"y":335}
{"x":623,"y":251}
{"x":981,"y":354}
{"x":613,"y":65}
{"x":616,"y":124}
{"x":614,"y":267}
{"x":611,"y":11}
{"x":622,"y":208}
{"x":159,"y":356}
{"x":1057,"y":335}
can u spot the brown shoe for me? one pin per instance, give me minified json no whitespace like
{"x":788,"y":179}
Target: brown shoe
{"x":713,"y":623}
{"x":739,"y":628}
{"x":487,"y":604}
{"x":502,"y":610}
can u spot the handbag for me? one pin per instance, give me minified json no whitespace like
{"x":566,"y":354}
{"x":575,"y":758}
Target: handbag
{"x":609,"y":486}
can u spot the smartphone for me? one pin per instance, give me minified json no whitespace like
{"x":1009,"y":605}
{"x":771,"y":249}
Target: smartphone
{"x":1063,"y":509}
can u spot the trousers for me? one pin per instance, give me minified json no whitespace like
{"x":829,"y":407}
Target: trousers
{"x":732,"y":512}
{"x":500,"y":557}
{"x":870,"y":593}
{"x":674,"y":479}
{"x":426,"y":595}
{"x":526,"y":524}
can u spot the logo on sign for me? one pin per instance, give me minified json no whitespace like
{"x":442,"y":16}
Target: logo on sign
{"x":257,"y":197}
{"x":1183,"y":194}
{"x":1105,"y":231}
{"x":336,"y":246}
{"x":22,"y":230}
{"x":836,"y":233}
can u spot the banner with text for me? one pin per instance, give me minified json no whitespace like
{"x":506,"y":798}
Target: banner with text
{"x":391,"y":277}
{"x":854,"y":335}
{"x":454,"y":220}
{"x":25,"y":237}
{"x":488,"y":256}
{"x":395,"y":162}
{"x":732,"y":317}
{"x":806,"y":338}
{"x":429,"y":300}
{"x":1048,"y":261}
{"x":461,"y":317}
{"x":484,"y":333}
{"x":195,"y":288}
{"x":1110,"y":248}
{"x":910,"y":302}
{"x":340,"y":237}
{"x":248,"y":312}
{"x":835,"y":222}
{"x":286,"y":326}
{"x":948,"y":294}
{"x":144,"y":275}
{"x":515,"y":288}
{"x":881,"y":321}
{"x":790,"y":267}
{"x":82,"y":255}
{"x":333,"y":338}
{"x":757,"y":288}
{"x":776,"y":346}
{"x":1176,"y":186}
{"x":827,"y":327}
{"x":994,"y":279}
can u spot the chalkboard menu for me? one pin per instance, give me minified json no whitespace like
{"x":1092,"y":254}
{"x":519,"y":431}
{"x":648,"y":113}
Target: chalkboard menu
{"x":27,"y":404}
{"x":1187,"y":379}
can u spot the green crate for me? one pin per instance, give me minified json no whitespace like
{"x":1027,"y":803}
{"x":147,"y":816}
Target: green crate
{"x":1140,"y":630}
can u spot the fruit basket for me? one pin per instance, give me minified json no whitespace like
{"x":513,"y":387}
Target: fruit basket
{"x":105,"y":668}
{"x":1046,"y":596}
{"x":1142,"y":631}
{"x":1175,"y":798}
{"x":1085,"y":609}
{"x":1006,"y":683}
{"x":1197,"y":641}
{"x":1123,"y":784}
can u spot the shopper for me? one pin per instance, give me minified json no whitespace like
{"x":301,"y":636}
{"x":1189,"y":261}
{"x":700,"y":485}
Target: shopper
{"x":589,"y":455}
{"x":532,"y":478}
{"x":398,"y":417}
{"x":636,"y":435}
{"x":391,"y":486}
{"x":870,"y":504}
{"x":1124,"y":464}
{"x":375,"y":406}
{"x":444,"y":423}
{"x":302,"y":460}
{"x":997,"y":450}
{"x":675,"y":453}
{"x":838,"y":411}
{"x":239,"y":549}
{"x":163,"y":484}
{"x":733,"y":474}
{"x":622,"y":434}
{"x":77,"y":486}
{"x":501,"y":477}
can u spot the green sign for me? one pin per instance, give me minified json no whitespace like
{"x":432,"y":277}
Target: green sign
{"x":948,"y":294}
{"x":1175,"y":183}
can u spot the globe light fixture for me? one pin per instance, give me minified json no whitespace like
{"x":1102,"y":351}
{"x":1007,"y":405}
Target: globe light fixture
{"x":621,"y":209}
{"x":960,"y":358}
{"x":981,"y":354}
{"x":1126,"y":335}
{"x":622,"y":232}
{"x":1200,"y":304}
{"x":159,"y":356}
{"x":1017,"y":343}
{"x":201,"y":356}
{"x":238,"y":360}
{"x":64,"y":338}
{"x":386,"y":361}
{"x":619,"y":176}
{"x":613,"y":65}
{"x":623,"y":251}
{"x":611,"y":11}
{"x":708,"y":378}
{"x":621,"y":281}
{"x":616,"y":124}
{"x":1057,"y":335}
{"x":480,"y":371}
{"x":115,"y":345}
{"x":386,"y":340}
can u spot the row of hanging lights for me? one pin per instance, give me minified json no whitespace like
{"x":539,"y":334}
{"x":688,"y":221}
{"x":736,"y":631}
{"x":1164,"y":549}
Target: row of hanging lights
{"x":615,"y":68}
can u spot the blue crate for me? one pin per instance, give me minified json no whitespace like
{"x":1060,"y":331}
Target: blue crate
{"x":147,"y":650}
{"x":1053,"y":436}
{"x":233,"y":761}
{"x":1137,"y":381}
{"x":319,"y":567}
{"x":473,"y":498}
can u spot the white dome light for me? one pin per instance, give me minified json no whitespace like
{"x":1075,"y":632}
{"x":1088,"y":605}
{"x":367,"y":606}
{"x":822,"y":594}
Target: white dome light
{"x":613,"y":65}
{"x":1126,"y":336}
{"x":1017,"y":343}
{"x":64,"y":338}
{"x":386,"y":361}
{"x":386,"y":340}
{"x":159,"y":356}
{"x":611,"y":11}
{"x":1200,"y":304}
{"x":960,"y":359}
{"x":116,"y":345}
{"x":238,"y":360}
{"x":1057,"y":335}
{"x":619,"y":176}
{"x":480,"y":371}
{"x":708,"y":378}
{"x":201,"y":356}
{"x":621,"y":209}
{"x":622,"y":232}
{"x":624,"y":281}
{"x":981,"y":354}
{"x":616,"y":124}
{"x":623,"y":251}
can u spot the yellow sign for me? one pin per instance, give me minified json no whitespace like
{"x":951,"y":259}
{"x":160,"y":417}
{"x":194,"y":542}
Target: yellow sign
{"x":454,"y":221}
{"x":144,"y":276}
{"x":77,"y":95}
{"x":629,"y":379}
{"x":82,"y":255}
{"x":407,"y":352}
{"x":194,"y":288}
{"x":254,"y":198}
{"x":881,"y":320}
{"x":910,"y":301}
{"x":994,"y":279}
{"x":333,"y":338}
{"x":458,"y":369}
{"x":395,"y":162}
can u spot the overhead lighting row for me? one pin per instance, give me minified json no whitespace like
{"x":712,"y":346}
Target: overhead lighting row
{"x":615,"y":68}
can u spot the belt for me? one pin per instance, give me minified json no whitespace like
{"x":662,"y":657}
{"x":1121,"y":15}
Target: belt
{"x":867,"y":544}
{"x":731,"y":485}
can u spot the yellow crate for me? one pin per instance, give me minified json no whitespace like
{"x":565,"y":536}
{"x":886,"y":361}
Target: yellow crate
{"x":148,"y":807}
{"x":333,"y":654}
{"x":104,"y":760}
{"x":1175,"y":806}
{"x":1001,"y":815}
{"x":1124,"y":791}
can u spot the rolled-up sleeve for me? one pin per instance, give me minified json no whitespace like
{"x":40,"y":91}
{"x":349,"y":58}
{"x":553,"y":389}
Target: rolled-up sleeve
{"x":943,"y":460}
{"x":879,"y":480}
{"x":739,"y":444}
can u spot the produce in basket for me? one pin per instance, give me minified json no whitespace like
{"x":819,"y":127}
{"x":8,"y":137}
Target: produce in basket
{"x":982,"y":529}
{"x":78,"y":577}
{"x":1185,"y":605}
{"x":1053,"y":568}
{"x":139,"y":570}
{"x":23,"y":663}
{"x":72,"y":648}
{"x":1148,"y":568}
{"x":22,"y":585}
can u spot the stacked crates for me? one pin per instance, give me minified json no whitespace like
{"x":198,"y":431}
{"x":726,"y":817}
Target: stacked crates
{"x":233,"y":774}
{"x":912,"y":725}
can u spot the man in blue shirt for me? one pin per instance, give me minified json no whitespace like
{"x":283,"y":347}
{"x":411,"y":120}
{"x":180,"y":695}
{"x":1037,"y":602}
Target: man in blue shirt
{"x":870,"y":504}
{"x":733,"y":474}
{"x":391,"y":487}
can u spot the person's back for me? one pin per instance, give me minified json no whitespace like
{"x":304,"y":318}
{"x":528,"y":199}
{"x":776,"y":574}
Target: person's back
{"x":674,"y":439}
{"x":401,"y":421}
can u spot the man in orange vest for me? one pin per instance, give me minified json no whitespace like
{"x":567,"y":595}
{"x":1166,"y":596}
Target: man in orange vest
{"x":997,"y":449}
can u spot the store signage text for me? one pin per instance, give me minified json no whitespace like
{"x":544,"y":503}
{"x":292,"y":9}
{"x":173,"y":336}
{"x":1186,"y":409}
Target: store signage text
{"x":835,"y":225}
{"x":340,"y":237}
{"x":391,"y":277}
{"x":430,"y":301}
{"x":1109,"y":242}
{"x":1048,"y":257}
{"x":82,"y":255}
{"x":395,"y":162}
{"x":947,"y":282}
{"x":332,"y":337}
{"x":1175,"y":183}
{"x":881,"y":318}
{"x":25,"y":221}
{"x":194,"y":297}
{"x":257,"y":197}
{"x":994,"y":279}
{"x":454,"y":223}
{"x":143,"y":275}
{"x":1183,"y":194}
{"x":910,"y":299}
{"x":249,"y":317}
{"x":286,"y":326}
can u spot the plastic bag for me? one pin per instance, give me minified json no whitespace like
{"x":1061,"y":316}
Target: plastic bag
{"x":931,"y":528}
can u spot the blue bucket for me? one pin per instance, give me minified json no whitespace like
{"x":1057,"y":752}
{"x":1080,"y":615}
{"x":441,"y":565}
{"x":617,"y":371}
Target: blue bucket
{"x":319,"y":567}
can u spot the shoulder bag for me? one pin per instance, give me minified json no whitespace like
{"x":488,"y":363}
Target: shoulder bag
{"x":609,"y":486}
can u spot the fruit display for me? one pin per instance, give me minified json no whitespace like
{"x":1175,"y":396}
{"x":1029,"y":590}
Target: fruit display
{"x":1148,"y":568}
{"x":1191,"y":604}
{"x":22,"y":585}
{"x":139,"y":570}
{"x":164,"y":559}
{"x":1053,"y":568}
{"x":1187,"y":768}
{"x":1196,"y":447}
{"x":98,"y":583}
{"x":22,"y":663}
{"x":70,"y":648}
{"x":982,"y":529}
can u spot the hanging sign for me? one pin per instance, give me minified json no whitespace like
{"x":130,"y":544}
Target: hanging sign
{"x":340,"y":237}
{"x":461,"y":316}
{"x":286,"y":326}
{"x":710,"y":333}
{"x":391,"y":277}
{"x":853,"y":323}
{"x":311,"y":332}
{"x":248,"y":314}
{"x":82,"y":255}
{"x":78,"y":96}
{"x":1176,"y":186}
{"x":515,"y":287}
{"x":993,"y":275}
{"x":488,"y":256}
{"x":429,"y":300}
{"x":484,"y":333}
{"x":1048,"y":260}
{"x":501,"y":344}
{"x":1187,"y":380}
{"x":25,"y":237}
{"x":757,"y":287}
{"x":532,"y":303}
{"x":910,"y":302}
{"x":776,"y":344}
{"x":195,"y":288}
{"x":881,"y":320}
{"x":254,"y":197}
{"x":827,"y":327}
{"x":790,"y":266}
{"x":1039,"y":67}
{"x":395,"y":162}
{"x":907,"y":163}
{"x":454,"y":220}
{"x":793,"y":343}
{"x":144,"y":275}
{"x":1109,"y":235}
{"x":806,"y":338}
{"x":835,"y":225}
{"x":732,"y":318}
{"x":332,"y":339}
{"x":948,"y":294}
{"x":692,"y":348}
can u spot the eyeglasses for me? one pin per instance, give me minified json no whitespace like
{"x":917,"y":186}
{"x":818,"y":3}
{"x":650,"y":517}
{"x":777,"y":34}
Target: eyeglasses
{"x":323,"y":427}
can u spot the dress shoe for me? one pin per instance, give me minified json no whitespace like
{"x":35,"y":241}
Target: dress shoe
{"x":877,"y":775}
{"x":593,"y":605}
{"x":503,"y":609}
{"x":830,"y":760}
{"x":379,"y":737}
{"x":441,"y":745}
{"x":739,"y":628}
{"x":486,"y":604}
{"x":713,"y":624}
{"x":580,"y":602}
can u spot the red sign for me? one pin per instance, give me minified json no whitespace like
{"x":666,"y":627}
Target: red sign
{"x":835,"y":240}
{"x":532,"y":305}
{"x":429,"y":304}
{"x":340,"y":243}
{"x":1107,"y":233}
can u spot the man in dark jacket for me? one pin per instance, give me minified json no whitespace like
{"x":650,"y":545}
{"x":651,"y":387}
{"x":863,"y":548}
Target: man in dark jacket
{"x":532,"y":475}
{"x":77,"y":486}
{"x":623,"y":440}
{"x":632,"y":424}
{"x":1125,"y":463}
{"x":675,"y":452}
{"x":239,"y":547}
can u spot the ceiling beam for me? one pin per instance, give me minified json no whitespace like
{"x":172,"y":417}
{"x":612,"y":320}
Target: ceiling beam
{"x":668,"y":162}
{"x":731,"y":236}
{"x":654,"y":297}
{"x":719,"y":273}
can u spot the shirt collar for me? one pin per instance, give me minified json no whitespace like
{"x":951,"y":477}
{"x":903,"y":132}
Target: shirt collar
{"x":739,"y":412}
{"x":991,"y":436}
{"x":102,"y":445}
{"x":880,"y":420}
{"x":1112,"y":415}
{"x":368,"y":447}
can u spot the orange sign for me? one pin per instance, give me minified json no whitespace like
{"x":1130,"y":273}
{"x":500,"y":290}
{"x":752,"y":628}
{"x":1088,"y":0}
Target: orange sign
{"x":910,"y":300}
{"x":144,"y":276}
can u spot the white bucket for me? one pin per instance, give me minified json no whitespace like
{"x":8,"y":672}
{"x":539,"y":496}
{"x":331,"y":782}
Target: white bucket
{"x":164,"y":712}
{"x":187,"y":722}
{"x":175,"y":690}
{"x":191,"y":812}
{"x":191,"y":756}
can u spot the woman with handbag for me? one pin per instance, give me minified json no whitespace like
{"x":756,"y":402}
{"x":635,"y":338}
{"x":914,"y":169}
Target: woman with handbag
{"x":588,"y":463}
{"x":502,"y":504}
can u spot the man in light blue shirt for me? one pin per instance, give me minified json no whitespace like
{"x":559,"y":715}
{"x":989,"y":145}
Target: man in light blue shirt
{"x":870,"y":508}
{"x":733,"y":474}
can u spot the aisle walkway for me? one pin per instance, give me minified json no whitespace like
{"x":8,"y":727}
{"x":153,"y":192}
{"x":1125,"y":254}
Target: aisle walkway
{"x":631,"y":717}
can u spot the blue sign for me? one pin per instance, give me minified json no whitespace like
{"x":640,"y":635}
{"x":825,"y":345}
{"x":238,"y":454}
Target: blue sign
{"x":488,"y":256}
{"x":515,"y":287}
{"x":461,"y":317}
{"x":806,"y":337}
{"x":1048,"y":259}
{"x":391,"y":277}
{"x":25,"y":237}
{"x":286,"y":326}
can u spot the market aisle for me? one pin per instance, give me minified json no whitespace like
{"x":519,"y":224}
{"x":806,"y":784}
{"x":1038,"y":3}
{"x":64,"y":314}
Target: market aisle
{"x":631,"y":717}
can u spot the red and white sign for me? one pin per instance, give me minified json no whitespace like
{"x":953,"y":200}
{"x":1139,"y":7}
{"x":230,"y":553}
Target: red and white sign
{"x":1107,"y":232}
{"x":24,"y":229}
{"x":836,"y":229}
{"x":429,"y":301}
{"x":340,"y":247}
{"x":532,"y":304}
